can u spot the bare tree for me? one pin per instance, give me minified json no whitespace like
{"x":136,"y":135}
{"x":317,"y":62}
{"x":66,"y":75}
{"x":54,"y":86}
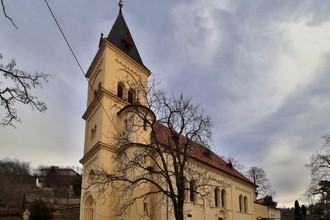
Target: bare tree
{"x":319,"y":166}
{"x":235,"y":163}
{"x":310,"y":195}
{"x":320,"y":162}
{"x":15,"y":86}
{"x":157,"y":148}
{"x":259,"y":177}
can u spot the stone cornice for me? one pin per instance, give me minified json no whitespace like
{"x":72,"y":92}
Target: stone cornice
{"x":97,"y":147}
{"x":96,"y":103}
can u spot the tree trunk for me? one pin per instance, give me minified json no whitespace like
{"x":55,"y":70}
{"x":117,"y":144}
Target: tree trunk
{"x":179,"y":212}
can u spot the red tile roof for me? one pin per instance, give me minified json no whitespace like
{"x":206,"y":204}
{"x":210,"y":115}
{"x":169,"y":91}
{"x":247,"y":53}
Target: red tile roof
{"x":200,"y":153}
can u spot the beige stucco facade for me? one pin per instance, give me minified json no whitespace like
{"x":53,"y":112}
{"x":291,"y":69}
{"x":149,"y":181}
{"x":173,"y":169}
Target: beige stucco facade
{"x":110,"y":69}
{"x":262,"y":212}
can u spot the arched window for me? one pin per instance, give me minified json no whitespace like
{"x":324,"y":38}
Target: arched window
{"x":144,"y":124}
{"x":126,"y":124}
{"x":131,"y":96}
{"x":91,"y":176}
{"x":120,"y":91}
{"x":223,"y":198}
{"x":240,"y":203}
{"x":93,"y":131}
{"x":89,"y":208}
{"x":245,"y":204}
{"x":216,"y":197}
{"x":192,"y":190}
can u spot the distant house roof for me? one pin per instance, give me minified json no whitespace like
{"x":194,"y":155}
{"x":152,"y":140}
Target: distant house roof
{"x":260,"y":201}
{"x":58,"y":170}
{"x":202,"y":154}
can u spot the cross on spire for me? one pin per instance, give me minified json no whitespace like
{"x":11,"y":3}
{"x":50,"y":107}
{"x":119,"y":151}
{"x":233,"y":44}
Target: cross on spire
{"x":120,"y":4}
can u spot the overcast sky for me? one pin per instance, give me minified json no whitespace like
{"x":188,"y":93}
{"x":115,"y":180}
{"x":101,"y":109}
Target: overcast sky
{"x":259,"y":68}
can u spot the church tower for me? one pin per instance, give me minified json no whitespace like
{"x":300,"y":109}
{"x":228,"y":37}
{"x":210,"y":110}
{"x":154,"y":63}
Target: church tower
{"x":115,"y":69}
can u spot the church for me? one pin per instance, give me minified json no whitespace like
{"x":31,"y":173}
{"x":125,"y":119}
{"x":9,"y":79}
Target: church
{"x":129,"y":171}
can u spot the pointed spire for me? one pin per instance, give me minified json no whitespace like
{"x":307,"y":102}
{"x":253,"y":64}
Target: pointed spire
{"x":121,"y":37}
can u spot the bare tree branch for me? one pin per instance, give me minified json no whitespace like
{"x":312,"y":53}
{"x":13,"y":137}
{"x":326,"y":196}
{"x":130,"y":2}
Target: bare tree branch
{"x":319,"y":166}
{"x":15,"y":87}
{"x":5,"y":13}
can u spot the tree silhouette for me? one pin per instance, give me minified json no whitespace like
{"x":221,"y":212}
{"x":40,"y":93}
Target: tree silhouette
{"x":297,"y":212}
{"x":259,"y":177}
{"x":15,"y":87}
{"x":268,"y":201}
{"x":39,"y":210}
{"x":303,"y":212}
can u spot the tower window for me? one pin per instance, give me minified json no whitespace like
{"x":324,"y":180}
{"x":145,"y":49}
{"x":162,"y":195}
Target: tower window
{"x":192,"y":189}
{"x":223,"y":198}
{"x":144,"y":124}
{"x":240,"y":203}
{"x":216,"y":197}
{"x":120,"y":91}
{"x":126,"y":124}
{"x":131,"y":95}
{"x":245,"y":204}
{"x":93,"y":131}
